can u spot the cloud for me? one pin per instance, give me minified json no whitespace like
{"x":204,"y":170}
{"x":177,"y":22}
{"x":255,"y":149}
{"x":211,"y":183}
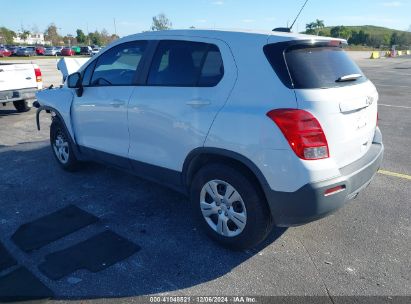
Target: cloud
{"x":392,"y":4}
{"x":217,"y":2}
{"x":248,"y":20}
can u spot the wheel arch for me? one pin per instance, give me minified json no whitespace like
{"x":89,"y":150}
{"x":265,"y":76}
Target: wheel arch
{"x":55,"y":115}
{"x":197,"y":158}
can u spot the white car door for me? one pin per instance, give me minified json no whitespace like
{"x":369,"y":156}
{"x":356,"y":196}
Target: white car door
{"x":100,"y":114}
{"x":188,"y":82}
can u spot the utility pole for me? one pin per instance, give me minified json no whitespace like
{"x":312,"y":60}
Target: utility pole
{"x":88,"y":36}
{"x":115,"y":26}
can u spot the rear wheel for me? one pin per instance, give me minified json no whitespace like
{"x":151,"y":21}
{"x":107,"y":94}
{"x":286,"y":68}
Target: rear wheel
{"x":21,"y":106}
{"x":230,"y":206}
{"x":62,"y":147}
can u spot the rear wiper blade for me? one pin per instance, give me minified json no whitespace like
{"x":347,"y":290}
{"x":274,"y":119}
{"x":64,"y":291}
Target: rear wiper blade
{"x":350,"y":77}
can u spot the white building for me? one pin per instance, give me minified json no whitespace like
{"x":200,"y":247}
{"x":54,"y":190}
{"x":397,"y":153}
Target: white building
{"x":32,"y":38}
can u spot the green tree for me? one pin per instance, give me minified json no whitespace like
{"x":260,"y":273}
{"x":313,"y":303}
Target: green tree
{"x":24,"y":34}
{"x":319,"y":25}
{"x":160,"y":23}
{"x":95,"y":38}
{"x":399,"y":39}
{"x":375,"y":40}
{"x":81,"y":38}
{"x":310,"y":28}
{"x":51,"y":34}
{"x":315,"y":27}
{"x":7,"y":36}
{"x":340,"y":32}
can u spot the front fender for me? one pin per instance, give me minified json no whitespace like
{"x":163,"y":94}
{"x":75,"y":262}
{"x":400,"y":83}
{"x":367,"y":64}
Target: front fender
{"x":58,"y":101}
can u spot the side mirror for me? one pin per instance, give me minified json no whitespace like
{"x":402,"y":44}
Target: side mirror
{"x":74,"y":82}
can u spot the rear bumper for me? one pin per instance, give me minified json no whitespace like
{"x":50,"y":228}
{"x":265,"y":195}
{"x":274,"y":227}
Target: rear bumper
{"x":15,"y":95}
{"x":309,"y":202}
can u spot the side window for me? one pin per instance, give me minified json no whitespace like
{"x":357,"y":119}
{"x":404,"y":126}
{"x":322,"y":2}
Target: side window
{"x":185,"y":64}
{"x":88,"y":72}
{"x":118,"y":65}
{"x":213,"y":68}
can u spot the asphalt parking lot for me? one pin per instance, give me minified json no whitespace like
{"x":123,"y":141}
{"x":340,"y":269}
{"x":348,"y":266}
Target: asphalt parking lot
{"x":361,"y":250}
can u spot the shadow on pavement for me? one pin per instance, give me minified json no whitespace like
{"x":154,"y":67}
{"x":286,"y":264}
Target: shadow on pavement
{"x":174,"y":254}
{"x":9,"y":112}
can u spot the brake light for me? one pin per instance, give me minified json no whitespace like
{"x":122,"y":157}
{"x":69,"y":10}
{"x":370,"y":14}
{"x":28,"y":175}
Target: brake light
{"x":37,"y":72}
{"x":303,"y":132}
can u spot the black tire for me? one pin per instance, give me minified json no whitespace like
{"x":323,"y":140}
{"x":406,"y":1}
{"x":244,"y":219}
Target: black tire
{"x":58,"y":131}
{"x":258,"y":220}
{"x":21,"y":106}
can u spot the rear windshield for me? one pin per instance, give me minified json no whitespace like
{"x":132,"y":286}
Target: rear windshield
{"x":312,"y":67}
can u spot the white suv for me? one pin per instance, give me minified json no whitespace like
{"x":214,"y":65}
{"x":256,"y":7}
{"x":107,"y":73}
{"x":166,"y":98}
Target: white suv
{"x":259,"y":129}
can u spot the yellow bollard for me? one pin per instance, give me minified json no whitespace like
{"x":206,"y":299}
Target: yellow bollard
{"x":375,"y":55}
{"x":409,"y":52}
{"x":399,"y":53}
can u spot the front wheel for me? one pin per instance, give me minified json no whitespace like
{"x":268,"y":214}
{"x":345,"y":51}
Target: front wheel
{"x":230,"y":206}
{"x":62,"y":146}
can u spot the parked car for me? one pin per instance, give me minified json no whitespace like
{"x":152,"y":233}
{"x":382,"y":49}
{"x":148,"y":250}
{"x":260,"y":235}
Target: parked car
{"x":4,"y":52}
{"x":86,"y":50}
{"x":40,"y":50}
{"x":67,"y":52}
{"x":59,"y":49}
{"x":18,"y":84}
{"x":95,"y":51}
{"x":281,"y":132}
{"x":26,"y":51}
{"x":76,"y":50}
{"x":51,"y":51}
{"x":13,"y":50}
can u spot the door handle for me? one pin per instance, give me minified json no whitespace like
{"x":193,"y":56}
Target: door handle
{"x":117,"y":103}
{"x":197,"y":103}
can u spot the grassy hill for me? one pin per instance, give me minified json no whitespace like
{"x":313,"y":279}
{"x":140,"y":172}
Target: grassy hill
{"x":368,"y":36}
{"x":370,"y":29}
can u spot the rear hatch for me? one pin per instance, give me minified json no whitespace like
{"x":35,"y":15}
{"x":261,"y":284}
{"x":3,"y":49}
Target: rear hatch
{"x":329,"y":85}
{"x":17,"y":76}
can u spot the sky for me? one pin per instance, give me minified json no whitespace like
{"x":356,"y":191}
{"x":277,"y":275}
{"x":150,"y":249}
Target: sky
{"x":136,"y":16}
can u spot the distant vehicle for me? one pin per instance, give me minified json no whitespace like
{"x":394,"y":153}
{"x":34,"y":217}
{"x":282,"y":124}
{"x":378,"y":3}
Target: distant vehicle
{"x":76,"y":50}
{"x":5,"y":52}
{"x":95,"y":51}
{"x":40,"y":50}
{"x":51,"y":51}
{"x":19,"y":84}
{"x":86,"y":50}
{"x":13,"y":50}
{"x":26,"y":51}
{"x":59,"y":49}
{"x":67,"y":52}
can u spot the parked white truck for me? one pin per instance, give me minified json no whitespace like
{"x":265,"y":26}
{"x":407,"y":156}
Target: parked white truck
{"x":19,"y":84}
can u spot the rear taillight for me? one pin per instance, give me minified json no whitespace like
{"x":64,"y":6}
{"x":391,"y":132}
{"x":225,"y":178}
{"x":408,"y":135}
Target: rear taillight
{"x":303,"y":132}
{"x":37,"y":72}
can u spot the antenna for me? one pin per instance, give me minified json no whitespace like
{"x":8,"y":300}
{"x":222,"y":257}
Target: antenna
{"x":305,"y":3}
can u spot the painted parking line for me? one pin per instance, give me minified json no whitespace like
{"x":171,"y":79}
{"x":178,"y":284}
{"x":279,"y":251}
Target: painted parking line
{"x":399,"y":175}
{"x":392,"y":106}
